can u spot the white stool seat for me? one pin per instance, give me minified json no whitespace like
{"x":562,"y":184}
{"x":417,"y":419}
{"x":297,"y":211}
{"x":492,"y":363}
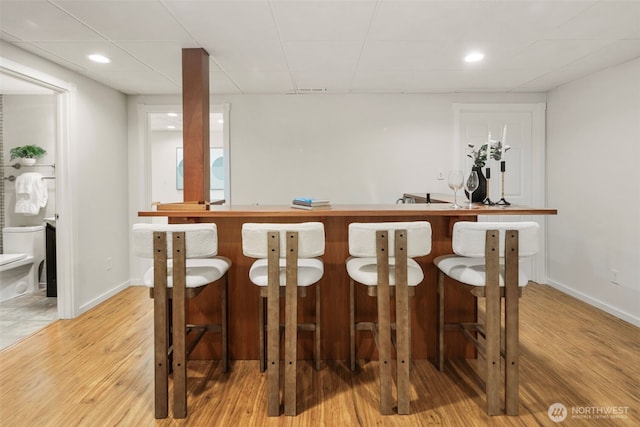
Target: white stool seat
{"x":472,"y":271}
{"x":365,"y":271}
{"x":200,"y":272}
{"x":310,"y":270}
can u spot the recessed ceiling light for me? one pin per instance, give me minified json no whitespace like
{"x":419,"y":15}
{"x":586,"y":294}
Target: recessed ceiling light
{"x":220,"y":121}
{"x":474,"y":57}
{"x":172,"y":114}
{"x":171,"y":127}
{"x":96,"y":57}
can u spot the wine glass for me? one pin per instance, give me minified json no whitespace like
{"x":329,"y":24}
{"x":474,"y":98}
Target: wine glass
{"x":456,"y":179}
{"x":470,"y":185}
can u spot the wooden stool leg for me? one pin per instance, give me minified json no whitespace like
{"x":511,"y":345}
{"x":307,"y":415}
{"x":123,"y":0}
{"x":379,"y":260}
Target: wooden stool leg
{"x":224,"y":323}
{"x":441,"y":321}
{"x":318,"y":336}
{"x":291,"y":325}
{"x":492,"y":323}
{"x":273,"y":326}
{"x":403,"y":340}
{"x":160,"y":326}
{"x":179,"y":328}
{"x":384,"y":323}
{"x":352,"y":323}
{"x":512,"y":351}
{"x":263,"y":354}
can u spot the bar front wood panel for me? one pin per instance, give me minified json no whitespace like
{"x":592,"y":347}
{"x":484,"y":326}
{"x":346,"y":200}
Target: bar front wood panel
{"x":244,"y":296}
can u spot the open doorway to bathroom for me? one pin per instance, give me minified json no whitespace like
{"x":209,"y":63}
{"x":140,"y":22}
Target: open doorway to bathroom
{"x":28,"y":298}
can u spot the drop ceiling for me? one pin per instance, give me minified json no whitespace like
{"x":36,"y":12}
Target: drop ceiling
{"x":304,"y":46}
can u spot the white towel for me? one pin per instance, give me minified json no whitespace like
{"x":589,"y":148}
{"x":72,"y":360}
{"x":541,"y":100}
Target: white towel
{"x":31,"y":193}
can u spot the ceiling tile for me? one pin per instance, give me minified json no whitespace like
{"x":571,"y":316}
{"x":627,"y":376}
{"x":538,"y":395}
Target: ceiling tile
{"x":128,"y":20}
{"x":331,"y":81}
{"x":165,"y":57}
{"x":78,"y":53}
{"x":219,"y":22}
{"x":323,"y":20}
{"x":42,"y":21}
{"x":555,"y":52}
{"x":604,"y":20}
{"x":36,"y":50}
{"x":263,"y":81}
{"x":138,"y":82}
{"x":257,"y":56}
{"x":322,"y":56}
{"x":551,"y":80}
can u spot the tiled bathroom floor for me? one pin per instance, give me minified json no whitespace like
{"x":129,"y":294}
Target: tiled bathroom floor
{"x":24,"y":315}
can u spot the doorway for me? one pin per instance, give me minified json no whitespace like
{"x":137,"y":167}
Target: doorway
{"x":62,"y":97}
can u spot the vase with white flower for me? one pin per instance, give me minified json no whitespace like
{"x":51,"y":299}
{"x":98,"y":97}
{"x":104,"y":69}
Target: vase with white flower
{"x":479,"y":156}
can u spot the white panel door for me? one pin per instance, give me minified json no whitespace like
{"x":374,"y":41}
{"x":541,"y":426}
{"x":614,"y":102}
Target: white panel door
{"x":524,"y":161}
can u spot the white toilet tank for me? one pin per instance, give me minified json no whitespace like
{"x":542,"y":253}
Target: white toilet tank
{"x":25,"y":240}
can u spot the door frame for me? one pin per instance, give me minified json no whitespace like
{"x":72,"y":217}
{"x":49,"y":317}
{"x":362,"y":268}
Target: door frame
{"x":537,"y":111}
{"x":65,"y":94}
{"x":143,"y":135}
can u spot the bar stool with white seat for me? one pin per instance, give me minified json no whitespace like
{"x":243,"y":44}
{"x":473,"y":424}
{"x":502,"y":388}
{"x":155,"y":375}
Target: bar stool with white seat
{"x":287,"y":263}
{"x":487,"y":263}
{"x":185,"y":261}
{"x":382,"y":260}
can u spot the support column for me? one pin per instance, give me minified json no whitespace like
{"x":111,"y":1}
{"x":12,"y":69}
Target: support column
{"x":195,"y":119}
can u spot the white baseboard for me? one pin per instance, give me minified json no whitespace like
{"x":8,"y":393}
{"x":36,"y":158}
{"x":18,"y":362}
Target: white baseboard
{"x":596,"y":303}
{"x":102,"y":298}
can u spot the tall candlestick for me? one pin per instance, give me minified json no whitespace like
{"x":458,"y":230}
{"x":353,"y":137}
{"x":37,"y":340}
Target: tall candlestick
{"x":503,"y":168}
{"x":487,"y":200}
{"x":504,"y":141}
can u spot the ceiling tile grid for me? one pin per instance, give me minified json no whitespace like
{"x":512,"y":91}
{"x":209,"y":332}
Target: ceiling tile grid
{"x":330,"y":46}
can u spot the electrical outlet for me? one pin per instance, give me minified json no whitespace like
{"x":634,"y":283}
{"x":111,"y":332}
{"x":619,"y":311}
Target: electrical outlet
{"x":440,"y":175}
{"x":109,"y":263}
{"x":614,"y":277}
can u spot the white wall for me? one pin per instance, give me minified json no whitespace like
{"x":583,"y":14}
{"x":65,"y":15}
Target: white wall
{"x":349,"y":148}
{"x":593,"y":150}
{"x":29,"y":120}
{"x":98,"y":176}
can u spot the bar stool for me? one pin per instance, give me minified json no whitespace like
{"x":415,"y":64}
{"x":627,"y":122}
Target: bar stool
{"x":184,"y":263}
{"x":382,"y":260}
{"x":287,"y":263}
{"x":486,"y":262}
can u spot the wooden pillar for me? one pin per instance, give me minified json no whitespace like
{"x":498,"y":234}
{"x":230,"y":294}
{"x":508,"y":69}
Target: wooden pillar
{"x":195,"y":113}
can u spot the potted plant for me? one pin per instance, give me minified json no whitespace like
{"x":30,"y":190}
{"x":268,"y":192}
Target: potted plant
{"x":27,"y":154}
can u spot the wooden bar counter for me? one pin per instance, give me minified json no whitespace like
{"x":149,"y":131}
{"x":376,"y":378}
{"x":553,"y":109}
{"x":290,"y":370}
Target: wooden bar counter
{"x":244,"y":296}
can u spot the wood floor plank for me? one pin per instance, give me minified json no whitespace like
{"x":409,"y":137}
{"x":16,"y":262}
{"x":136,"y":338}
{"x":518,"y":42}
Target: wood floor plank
{"x":97,"y":370}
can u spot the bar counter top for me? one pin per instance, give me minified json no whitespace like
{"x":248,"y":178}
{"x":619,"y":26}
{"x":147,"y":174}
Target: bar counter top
{"x":355,"y":210}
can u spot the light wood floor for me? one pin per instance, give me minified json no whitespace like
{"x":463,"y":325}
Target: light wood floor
{"x":97,"y":370}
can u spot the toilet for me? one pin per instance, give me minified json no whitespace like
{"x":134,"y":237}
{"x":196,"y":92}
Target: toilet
{"x":24,"y":249}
